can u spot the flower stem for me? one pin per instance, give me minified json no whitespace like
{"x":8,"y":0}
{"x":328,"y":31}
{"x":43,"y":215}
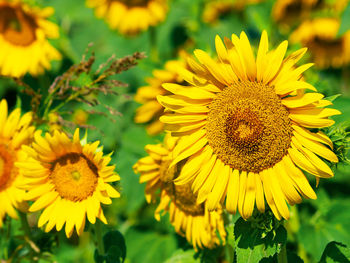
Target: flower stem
{"x":99,"y":239}
{"x":25,"y":225}
{"x":282,"y":256}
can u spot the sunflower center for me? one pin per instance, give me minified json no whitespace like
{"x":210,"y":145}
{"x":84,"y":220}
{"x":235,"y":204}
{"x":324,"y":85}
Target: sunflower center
{"x":331,"y":46}
{"x":17,"y":27}
{"x":184,"y":199}
{"x":133,"y":3}
{"x":248,"y":127}
{"x":74,"y":176}
{"x":167,"y":174}
{"x":6,"y":166}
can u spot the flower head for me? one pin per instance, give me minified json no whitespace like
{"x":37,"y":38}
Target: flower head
{"x":243,"y":123}
{"x":130,"y":17}
{"x":24,"y":34}
{"x":214,"y":9}
{"x":192,"y":220}
{"x":15,"y":131}
{"x":320,"y":36}
{"x":291,"y":12}
{"x":68,"y":180}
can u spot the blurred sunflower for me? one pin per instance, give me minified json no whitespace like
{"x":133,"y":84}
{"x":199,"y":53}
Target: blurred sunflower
{"x":151,"y":110}
{"x":243,"y":125}
{"x":24,"y":32}
{"x":290,"y":12}
{"x":130,"y":17}
{"x":214,"y":9}
{"x":190,"y":219}
{"x":15,"y":131}
{"x":320,"y":36}
{"x":68,"y":180}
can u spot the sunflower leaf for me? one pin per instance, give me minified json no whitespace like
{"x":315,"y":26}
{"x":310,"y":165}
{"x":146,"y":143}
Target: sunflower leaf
{"x":114,"y":244}
{"x":335,"y":252}
{"x":181,"y":256}
{"x":253,"y":244}
{"x":115,"y":247}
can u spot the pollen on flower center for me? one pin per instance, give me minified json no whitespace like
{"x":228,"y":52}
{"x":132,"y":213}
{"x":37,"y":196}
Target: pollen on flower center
{"x":244,"y":129}
{"x":17,"y":27}
{"x":6,"y":166}
{"x":248,"y":127}
{"x":74,"y":176}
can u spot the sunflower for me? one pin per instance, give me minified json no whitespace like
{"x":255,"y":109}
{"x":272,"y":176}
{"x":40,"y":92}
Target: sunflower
{"x":130,"y":17}
{"x":151,"y":110}
{"x":320,"y":36}
{"x":15,"y":131}
{"x":68,"y":179}
{"x":23,"y":39}
{"x":290,"y":12}
{"x":214,"y":9}
{"x":190,"y":219}
{"x":243,"y":123}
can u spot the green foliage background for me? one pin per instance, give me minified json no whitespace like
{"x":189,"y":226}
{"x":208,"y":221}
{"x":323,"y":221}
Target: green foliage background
{"x":315,"y":224}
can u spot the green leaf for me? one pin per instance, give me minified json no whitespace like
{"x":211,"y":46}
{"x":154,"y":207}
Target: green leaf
{"x":149,"y":246}
{"x":332,"y":98}
{"x":330,"y":222}
{"x":294,"y":258}
{"x":253,"y":244}
{"x":230,"y":243}
{"x":291,"y":258}
{"x":345,"y":21}
{"x":336,"y":253}
{"x":115,"y":247}
{"x":181,"y":256}
{"x":210,"y":255}
{"x":19,"y":103}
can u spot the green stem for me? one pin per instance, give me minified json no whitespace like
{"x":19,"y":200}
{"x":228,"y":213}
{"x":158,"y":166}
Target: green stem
{"x":153,"y":42}
{"x":282,"y":256}
{"x":25,"y":225}
{"x":99,"y":239}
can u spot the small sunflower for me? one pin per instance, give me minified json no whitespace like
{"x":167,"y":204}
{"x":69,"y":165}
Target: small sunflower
{"x":320,"y":37}
{"x":190,"y":219}
{"x":15,"y":131}
{"x":151,"y":110}
{"x":243,"y":123}
{"x":214,"y":9}
{"x":23,"y":39}
{"x":68,"y":179}
{"x":130,"y":17}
